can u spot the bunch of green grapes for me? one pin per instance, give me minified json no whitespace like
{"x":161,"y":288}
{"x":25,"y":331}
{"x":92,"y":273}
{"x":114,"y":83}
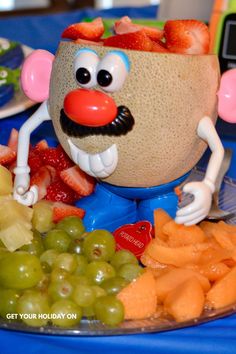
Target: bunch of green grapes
{"x":67,"y":273}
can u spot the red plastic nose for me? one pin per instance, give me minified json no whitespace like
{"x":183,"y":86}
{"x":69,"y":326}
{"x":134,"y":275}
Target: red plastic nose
{"x":90,"y":107}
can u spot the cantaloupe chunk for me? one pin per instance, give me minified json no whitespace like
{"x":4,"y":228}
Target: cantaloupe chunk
{"x":212,"y":271}
{"x":207,"y":227}
{"x":177,"y":256}
{"x":223,"y":239}
{"x":181,"y":235}
{"x":185,"y":302}
{"x":139,"y":297}
{"x":161,"y":217}
{"x":212,"y":255}
{"x":223,"y":292}
{"x":169,"y":281}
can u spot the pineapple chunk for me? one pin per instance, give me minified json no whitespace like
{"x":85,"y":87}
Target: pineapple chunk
{"x":11,"y":211}
{"x":15,"y":236}
{"x":6,"y":184}
{"x":42,"y":216}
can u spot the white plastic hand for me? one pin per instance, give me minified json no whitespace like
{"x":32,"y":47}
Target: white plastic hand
{"x":22,"y":193}
{"x":199,"y":208}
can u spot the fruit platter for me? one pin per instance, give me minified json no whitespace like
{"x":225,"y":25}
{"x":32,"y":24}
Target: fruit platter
{"x":64,"y":271}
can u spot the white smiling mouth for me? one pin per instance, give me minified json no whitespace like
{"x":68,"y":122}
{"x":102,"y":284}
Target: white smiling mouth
{"x":100,"y":165}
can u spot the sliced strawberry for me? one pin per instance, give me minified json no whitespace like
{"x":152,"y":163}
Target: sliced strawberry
{"x":86,"y":42}
{"x":7,"y":155}
{"x":58,"y":191}
{"x":64,"y":160}
{"x":78,"y":180}
{"x":13,"y":139}
{"x":57,"y":158}
{"x":34,"y":162}
{"x":187,"y":36}
{"x":41,"y":145}
{"x":125,"y":25}
{"x":91,"y":31}
{"x":61,"y":210}
{"x":159,"y":47}
{"x":42,"y":179}
{"x":136,"y":41}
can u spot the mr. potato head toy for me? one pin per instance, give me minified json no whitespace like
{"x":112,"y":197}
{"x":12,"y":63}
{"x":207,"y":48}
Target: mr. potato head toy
{"x":137,"y":121}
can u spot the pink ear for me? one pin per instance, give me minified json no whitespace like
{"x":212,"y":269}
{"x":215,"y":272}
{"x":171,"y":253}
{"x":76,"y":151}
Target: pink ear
{"x":35,"y":75}
{"x":227,"y":96}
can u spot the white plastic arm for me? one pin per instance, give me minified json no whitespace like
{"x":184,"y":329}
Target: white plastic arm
{"x":22,"y":170}
{"x":202,"y":191}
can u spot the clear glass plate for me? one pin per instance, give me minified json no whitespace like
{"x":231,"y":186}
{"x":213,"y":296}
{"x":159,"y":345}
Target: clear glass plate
{"x":95,"y":328}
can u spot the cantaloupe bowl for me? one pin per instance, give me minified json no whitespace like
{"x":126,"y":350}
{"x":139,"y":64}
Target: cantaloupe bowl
{"x":167,"y":94}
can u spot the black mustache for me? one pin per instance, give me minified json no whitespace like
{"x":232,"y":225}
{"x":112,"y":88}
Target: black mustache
{"x":121,"y":125}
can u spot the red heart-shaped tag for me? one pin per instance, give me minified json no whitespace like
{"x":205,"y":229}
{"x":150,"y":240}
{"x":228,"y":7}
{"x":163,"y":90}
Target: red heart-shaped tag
{"x":134,"y":237}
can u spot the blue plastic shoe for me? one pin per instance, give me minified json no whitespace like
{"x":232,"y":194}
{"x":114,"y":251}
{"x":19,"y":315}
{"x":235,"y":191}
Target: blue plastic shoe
{"x":106,"y":210}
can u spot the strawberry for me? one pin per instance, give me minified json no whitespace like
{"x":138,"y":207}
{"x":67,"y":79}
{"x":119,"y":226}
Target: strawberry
{"x":187,"y":36}
{"x":159,"y":47}
{"x":34,"y":162}
{"x":7,"y":155}
{"x":136,"y":40}
{"x":61,"y":210}
{"x":13,"y":139}
{"x":78,"y":180}
{"x":58,"y":191}
{"x":86,"y":42}
{"x":41,"y":145}
{"x":125,"y":25}
{"x":42,"y":179}
{"x":57,"y":158}
{"x":91,"y":31}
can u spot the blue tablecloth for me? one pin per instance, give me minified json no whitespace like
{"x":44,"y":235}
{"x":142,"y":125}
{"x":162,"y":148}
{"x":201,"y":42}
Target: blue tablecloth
{"x":214,"y":337}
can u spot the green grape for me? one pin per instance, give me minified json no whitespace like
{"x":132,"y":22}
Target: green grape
{"x":79,"y":280}
{"x":83,"y":295}
{"x":99,"y":245}
{"x":130,"y":271}
{"x":88,"y":311}
{"x":43,"y":283}
{"x":49,"y":257}
{"x":76,"y":246}
{"x":36,"y":246}
{"x":59,"y":274}
{"x":109,"y":310}
{"x":60,"y":289}
{"x":33,"y":308}
{"x":113,"y":285}
{"x":121,"y":257}
{"x":73,"y":225}
{"x":66,"y":261}
{"x":9,"y":298}
{"x":99,"y":291}
{"x":66,"y":313}
{"x":42,"y":216}
{"x":81,"y":264}
{"x":3,"y":252}
{"x":46,"y":267}
{"x":57,"y":239}
{"x":98,"y":271}
{"x":20,"y":270}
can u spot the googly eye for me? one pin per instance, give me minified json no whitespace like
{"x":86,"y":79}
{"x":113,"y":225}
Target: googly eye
{"x":85,"y":67}
{"x":3,"y":74}
{"x":113,"y":70}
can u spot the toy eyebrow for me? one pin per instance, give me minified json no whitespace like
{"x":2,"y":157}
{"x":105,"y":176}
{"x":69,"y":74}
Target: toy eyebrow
{"x":84,"y":50}
{"x":123,"y":56}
